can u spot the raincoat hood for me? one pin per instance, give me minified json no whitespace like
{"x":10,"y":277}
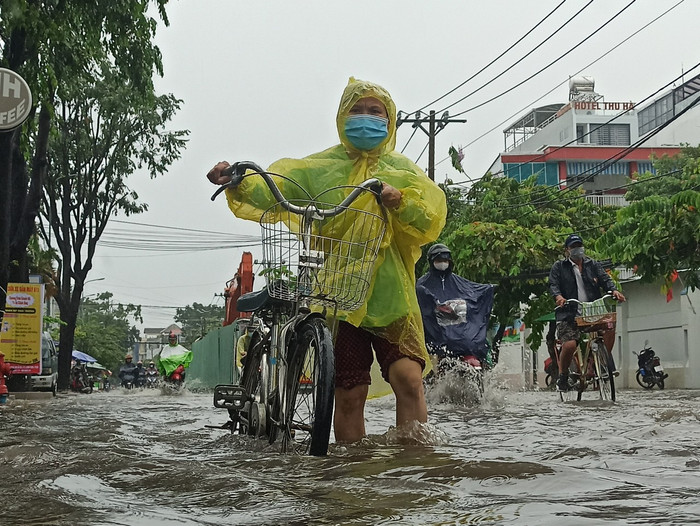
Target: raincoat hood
{"x":354,"y":91}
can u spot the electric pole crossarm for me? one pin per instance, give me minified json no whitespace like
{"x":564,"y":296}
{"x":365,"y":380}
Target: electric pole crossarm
{"x":434,"y":127}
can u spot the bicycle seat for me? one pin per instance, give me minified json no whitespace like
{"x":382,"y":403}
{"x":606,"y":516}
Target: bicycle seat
{"x":252,"y":301}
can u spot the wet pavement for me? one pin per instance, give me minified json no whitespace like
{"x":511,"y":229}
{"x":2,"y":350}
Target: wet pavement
{"x":517,"y":457}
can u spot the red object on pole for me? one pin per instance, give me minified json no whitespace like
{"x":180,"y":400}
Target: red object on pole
{"x":4,"y":371}
{"x":242,"y":283}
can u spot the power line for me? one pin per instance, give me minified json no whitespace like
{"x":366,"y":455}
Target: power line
{"x":623,"y":41}
{"x":522,"y":58}
{"x":508,"y":48}
{"x":541,"y":69}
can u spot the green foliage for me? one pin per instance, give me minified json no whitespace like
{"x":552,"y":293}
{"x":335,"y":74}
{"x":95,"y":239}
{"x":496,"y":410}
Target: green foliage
{"x":104,"y":330}
{"x":97,"y":119}
{"x":659,"y":232}
{"x":197,"y":320}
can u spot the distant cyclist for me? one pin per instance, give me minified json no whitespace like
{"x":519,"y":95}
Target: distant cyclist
{"x":582,"y":278}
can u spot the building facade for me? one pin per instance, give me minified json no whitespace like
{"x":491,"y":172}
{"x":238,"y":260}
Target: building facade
{"x":595,"y":144}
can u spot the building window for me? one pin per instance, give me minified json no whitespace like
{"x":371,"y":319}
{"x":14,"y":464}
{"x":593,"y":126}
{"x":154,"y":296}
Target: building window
{"x":610,"y":135}
{"x":655,"y":114}
{"x":645,"y":166}
{"x":580,"y":133}
{"x":547,"y":173}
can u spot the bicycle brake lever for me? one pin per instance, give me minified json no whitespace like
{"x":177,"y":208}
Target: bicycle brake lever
{"x":376,"y":189}
{"x":236,"y":178}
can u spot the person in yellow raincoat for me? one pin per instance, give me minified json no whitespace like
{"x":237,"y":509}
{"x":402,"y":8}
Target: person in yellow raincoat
{"x":390,"y":320}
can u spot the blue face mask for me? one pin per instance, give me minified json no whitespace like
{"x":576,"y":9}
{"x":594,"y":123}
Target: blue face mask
{"x":366,"y":132}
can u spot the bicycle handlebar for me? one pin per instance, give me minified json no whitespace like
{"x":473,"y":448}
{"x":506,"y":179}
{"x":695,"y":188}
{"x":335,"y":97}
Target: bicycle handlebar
{"x":238,"y":170}
{"x":574,"y":301}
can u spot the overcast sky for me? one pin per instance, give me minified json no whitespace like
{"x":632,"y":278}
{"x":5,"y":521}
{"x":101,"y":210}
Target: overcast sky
{"x":262,"y":80}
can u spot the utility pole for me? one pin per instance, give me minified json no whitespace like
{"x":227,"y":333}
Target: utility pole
{"x":434,"y":127}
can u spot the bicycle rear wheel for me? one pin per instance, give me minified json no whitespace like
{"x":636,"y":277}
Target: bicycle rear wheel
{"x":604,"y":371}
{"x":309,"y":390}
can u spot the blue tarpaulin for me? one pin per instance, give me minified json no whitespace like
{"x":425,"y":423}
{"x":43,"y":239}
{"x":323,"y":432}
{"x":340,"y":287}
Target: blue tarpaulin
{"x":81,"y":356}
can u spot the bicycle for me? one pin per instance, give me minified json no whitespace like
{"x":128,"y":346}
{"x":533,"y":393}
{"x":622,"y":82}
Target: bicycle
{"x":315,"y":254}
{"x":594,"y":318}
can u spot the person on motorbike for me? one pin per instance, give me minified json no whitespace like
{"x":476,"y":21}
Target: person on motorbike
{"x":140,"y":374}
{"x":126,"y":371}
{"x":173,"y":357}
{"x":455,"y":311}
{"x":388,"y":325}
{"x":582,"y":278}
{"x":151,"y":374}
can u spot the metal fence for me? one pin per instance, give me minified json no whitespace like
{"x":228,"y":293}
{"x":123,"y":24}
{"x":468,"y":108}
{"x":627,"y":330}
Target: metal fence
{"x":213,"y":357}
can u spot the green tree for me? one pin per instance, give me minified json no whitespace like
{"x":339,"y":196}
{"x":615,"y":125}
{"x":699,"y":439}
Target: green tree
{"x":659,"y":232}
{"x":49,"y":44}
{"x":104,"y":133}
{"x":104,"y":329}
{"x":509,"y":234}
{"x":197,"y":320}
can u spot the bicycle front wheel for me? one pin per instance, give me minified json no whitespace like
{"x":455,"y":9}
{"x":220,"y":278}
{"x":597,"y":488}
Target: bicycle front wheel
{"x":309,"y":390}
{"x":250,"y":421}
{"x":604,"y":371}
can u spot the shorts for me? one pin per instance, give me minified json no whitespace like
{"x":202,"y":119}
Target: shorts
{"x":567,"y":330}
{"x":354,"y":357}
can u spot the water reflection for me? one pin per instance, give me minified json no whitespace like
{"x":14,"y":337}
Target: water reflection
{"x":511,"y":457}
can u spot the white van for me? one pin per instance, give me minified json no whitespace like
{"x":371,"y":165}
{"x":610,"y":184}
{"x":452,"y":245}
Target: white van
{"x":48,"y":379}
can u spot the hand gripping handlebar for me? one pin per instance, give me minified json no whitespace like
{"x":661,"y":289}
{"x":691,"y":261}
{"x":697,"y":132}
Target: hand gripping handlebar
{"x":238,"y":170}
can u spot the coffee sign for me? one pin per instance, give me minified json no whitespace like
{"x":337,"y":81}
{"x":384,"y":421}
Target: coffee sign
{"x":15,"y":100}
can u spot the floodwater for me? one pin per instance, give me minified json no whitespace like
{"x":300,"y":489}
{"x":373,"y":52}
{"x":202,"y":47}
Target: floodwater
{"x":145,"y":458}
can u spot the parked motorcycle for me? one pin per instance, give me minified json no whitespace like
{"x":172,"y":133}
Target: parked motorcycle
{"x":80,"y":380}
{"x":650,"y":372}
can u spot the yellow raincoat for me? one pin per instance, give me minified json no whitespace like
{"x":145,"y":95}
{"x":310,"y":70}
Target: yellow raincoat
{"x":391,"y":310}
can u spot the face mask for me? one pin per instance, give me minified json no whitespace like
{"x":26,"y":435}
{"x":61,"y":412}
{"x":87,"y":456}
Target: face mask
{"x":366,"y":132}
{"x":441,"y":265}
{"x":576,"y":253}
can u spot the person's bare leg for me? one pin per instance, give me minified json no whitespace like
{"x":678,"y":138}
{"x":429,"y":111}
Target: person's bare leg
{"x":565,"y":355}
{"x":406,"y":379}
{"x":349,"y":417}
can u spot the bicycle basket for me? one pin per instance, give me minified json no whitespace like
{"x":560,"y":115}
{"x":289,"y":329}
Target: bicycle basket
{"x":331,"y":264}
{"x":596,"y":316}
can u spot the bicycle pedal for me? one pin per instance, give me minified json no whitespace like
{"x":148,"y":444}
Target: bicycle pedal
{"x":227,"y":425}
{"x":230,"y":396}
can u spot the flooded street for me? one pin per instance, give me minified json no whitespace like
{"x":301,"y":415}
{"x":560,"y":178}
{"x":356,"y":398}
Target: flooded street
{"x":144,"y":458}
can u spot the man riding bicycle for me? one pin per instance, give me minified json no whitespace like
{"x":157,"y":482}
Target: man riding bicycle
{"x":582,"y":278}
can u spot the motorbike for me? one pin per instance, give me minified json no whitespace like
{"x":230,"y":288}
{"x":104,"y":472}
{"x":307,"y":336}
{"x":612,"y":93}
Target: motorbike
{"x":650,"y":372}
{"x":151,"y":379}
{"x":457,"y":379}
{"x":176,"y":379}
{"x":140,"y":378}
{"x":128,"y":377}
{"x":80,"y":379}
